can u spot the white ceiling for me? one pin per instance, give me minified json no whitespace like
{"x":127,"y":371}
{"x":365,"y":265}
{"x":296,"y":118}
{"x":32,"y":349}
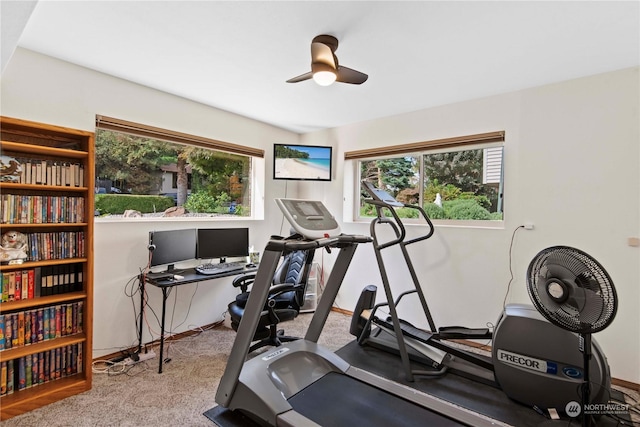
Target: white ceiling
{"x":237,"y":55}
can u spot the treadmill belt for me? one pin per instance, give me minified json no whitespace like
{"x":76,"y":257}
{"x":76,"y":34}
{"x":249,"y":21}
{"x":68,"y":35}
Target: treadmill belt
{"x":338,"y":400}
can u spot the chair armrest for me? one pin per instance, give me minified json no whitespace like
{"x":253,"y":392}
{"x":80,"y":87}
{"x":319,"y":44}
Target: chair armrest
{"x":280,"y":289}
{"x":243,"y":281}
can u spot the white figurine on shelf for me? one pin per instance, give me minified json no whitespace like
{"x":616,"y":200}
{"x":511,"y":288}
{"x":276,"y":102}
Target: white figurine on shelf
{"x":13,"y":248}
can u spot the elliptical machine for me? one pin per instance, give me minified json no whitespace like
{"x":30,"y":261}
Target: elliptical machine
{"x":533,"y":361}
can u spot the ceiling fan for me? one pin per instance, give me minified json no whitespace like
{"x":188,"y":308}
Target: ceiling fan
{"x":324,"y":65}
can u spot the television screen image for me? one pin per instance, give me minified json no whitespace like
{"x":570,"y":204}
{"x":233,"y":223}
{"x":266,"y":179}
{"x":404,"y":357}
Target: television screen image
{"x":302,"y":162}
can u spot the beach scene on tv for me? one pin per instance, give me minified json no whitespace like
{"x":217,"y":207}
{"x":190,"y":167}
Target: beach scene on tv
{"x":302,"y":162}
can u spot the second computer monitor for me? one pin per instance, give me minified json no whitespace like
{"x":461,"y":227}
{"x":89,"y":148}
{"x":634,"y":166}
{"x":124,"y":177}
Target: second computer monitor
{"x":222,"y":243}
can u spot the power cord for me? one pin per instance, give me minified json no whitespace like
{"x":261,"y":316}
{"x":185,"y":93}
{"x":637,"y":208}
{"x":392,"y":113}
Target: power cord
{"x":513,"y":236}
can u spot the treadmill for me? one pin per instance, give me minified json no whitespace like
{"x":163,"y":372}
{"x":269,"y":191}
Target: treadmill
{"x":301,"y":383}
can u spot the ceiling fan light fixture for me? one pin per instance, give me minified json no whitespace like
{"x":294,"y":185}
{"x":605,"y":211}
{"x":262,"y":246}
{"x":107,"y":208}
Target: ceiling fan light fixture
{"x":324,"y":65}
{"x":324,"y":78}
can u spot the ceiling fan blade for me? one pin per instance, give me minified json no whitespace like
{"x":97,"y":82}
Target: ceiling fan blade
{"x":347,"y":75}
{"x":301,"y":78}
{"x":322,"y":53}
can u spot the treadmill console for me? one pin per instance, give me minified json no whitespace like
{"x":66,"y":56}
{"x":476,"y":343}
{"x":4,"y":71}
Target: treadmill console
{"x":381,"y":195}
{"x":310,"y":218}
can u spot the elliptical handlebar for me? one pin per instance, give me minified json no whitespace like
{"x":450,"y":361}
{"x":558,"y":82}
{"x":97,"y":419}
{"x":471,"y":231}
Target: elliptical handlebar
{"x":381,"y":199}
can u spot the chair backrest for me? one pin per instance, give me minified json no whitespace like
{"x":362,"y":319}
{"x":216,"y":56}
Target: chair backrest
{"x":295,"y":269}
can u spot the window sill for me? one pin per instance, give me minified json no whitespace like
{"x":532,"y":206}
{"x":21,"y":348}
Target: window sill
{"x":121,"y":219}
{"x":440,"y":223}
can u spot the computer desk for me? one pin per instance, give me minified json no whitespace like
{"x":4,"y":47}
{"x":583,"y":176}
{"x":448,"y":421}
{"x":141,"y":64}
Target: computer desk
{"x":189,"y":275}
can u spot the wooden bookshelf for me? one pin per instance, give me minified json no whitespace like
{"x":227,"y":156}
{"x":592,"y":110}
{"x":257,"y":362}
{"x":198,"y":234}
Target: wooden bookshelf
{"x":71,"y":150}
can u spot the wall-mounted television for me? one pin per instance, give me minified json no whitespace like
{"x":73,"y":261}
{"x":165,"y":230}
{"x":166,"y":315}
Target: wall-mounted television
{"x":302,"y":162}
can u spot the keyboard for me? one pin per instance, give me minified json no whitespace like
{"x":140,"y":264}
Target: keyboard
{"x":225,"y":267}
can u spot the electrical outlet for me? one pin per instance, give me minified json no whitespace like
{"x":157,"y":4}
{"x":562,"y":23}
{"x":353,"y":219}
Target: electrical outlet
{"x":528,"y":226}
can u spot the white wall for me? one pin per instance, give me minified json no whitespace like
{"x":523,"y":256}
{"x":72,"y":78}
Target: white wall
{"x":572,"y":156}
{"x":40,"y":88}
{"x":572,"y":160}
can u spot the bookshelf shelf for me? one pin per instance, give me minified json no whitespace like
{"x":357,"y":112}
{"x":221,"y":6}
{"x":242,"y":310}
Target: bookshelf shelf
{"x":4,"y":186}
{"x":32,"y":264}
{"x":44,"y":225}
{"x":49,"y":199}
{"x":16,"y":353}
{"x":40,"y":301}
{"x":43,"y":150}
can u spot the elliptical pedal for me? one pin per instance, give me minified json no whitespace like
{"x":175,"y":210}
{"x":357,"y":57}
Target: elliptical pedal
{"x":462,"y":332}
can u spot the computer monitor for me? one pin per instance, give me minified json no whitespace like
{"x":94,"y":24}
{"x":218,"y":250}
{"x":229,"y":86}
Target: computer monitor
{"x":169,"y":247}
{"x":222,"y":243}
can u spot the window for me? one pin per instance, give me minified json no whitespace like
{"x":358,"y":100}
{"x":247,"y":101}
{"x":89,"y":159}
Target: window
{"x":463,"y":182}
{"x":149,"y":170}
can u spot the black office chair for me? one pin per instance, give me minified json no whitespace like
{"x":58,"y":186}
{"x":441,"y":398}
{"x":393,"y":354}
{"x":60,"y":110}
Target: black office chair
{"x":286,"y":297}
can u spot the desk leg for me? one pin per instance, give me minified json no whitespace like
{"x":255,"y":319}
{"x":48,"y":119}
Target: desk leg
{"x":164,"y":306}
{"x":141,"y":323}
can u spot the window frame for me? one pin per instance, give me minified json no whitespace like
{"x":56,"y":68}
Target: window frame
{"x":420,"y":149}
{"x":255,"y":155}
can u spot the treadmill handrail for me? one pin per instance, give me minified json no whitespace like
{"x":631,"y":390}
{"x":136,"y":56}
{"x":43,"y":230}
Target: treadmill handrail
{"x":284,"y":245}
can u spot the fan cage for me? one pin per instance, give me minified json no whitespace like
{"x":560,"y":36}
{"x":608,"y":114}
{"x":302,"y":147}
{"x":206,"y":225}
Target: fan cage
{"x":588,"y":279}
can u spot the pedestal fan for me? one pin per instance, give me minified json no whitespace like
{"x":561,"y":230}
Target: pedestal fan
{"x":573,"y":291}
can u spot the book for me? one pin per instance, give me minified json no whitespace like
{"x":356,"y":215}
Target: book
{"x":28,"y":371}
{"x":46,"y":323}
{"x":69,"y":319}
{"x":46,"y":372}
{"x":3,"y":378}
{"x":58,"y":316}
{"x":2,"y":332}
{"x":15,"y":340}
{"x":40,"y":323}
{"x":34,"y":368}
{"x":22,"y":375}
{"x":24,"y":279}
{"x":27,"y":327}
{"x":41,"y":368}
{"x":12,"y":286}
{"x":52,"y":322}
{"x":31,"y":280}
{"x":10,"y":376}
{"x":20,"y":328}
{"x":5,"y":287}
{"x":8,"y":331}
{"x":34,"y":325}
{"x":17,"y":287}
{"x":80,"y":316}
